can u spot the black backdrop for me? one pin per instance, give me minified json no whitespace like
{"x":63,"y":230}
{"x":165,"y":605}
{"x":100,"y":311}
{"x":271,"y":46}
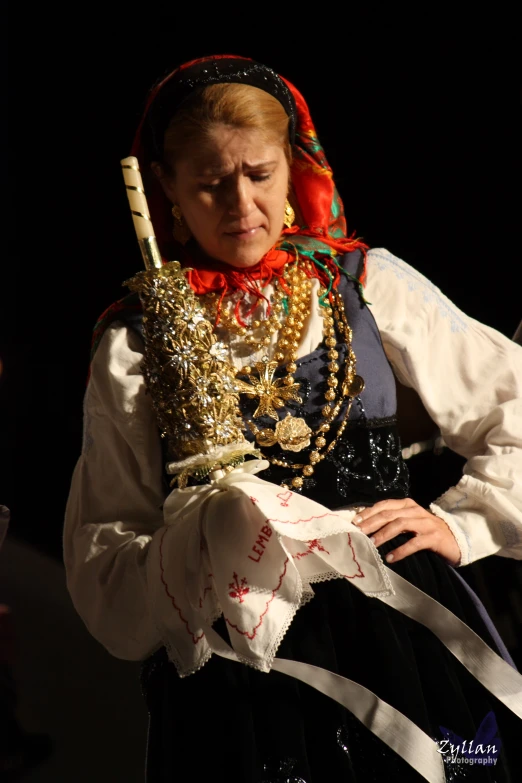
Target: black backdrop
{"x":419,"y":124}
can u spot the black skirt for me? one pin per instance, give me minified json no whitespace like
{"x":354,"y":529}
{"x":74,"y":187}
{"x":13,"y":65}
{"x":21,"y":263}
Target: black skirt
{"x":229,"y":722}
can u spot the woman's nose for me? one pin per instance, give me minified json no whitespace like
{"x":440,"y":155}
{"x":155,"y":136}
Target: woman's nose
{"x":240,"y":198}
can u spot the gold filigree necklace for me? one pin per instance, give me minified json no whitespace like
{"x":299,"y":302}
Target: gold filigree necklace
{"x":292,"y":433}
{"x":337,"y":394}
{"x":291,"y":297}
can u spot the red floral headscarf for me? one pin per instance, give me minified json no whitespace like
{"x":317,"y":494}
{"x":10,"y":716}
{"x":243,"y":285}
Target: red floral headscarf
{"x":323,"y":234}
{"x":322,"y":237}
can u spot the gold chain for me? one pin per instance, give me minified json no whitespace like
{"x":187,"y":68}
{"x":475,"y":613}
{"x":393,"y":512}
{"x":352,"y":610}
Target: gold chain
{"x":293,"y":432}
{"x":298,"y":285}
{"x":351,"y":386}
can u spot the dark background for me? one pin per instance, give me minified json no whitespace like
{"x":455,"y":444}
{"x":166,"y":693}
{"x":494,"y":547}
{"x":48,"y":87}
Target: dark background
{"x":420,"y":122}
{"x":419,"y":114}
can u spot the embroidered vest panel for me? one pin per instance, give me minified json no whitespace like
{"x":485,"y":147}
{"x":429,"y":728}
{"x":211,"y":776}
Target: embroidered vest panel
{"x":366,"y":464}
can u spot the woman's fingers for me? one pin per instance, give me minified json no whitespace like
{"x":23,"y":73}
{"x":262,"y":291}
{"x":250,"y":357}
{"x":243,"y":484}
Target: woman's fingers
{"x":401,"y":525}
{"x":428,"y":541}
{"x":384,"y":506}
{"x":388,"y":518}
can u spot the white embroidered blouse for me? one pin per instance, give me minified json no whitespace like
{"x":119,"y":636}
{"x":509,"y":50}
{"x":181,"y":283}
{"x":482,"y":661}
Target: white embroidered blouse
{"x":468,"y":376}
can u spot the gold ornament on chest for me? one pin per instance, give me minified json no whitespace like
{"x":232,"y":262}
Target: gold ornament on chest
{"x":272,"y":393}
{"x":291,"y":307}
{"x":292,"y":434}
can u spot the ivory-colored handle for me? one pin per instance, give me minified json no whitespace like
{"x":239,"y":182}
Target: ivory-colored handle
{"x":137,"y":200}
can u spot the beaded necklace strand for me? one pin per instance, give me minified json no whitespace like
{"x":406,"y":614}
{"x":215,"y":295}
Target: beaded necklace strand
{"x":290,"y":307}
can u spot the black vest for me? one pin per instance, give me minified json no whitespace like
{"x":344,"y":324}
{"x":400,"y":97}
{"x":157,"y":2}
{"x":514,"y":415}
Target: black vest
{"x":366,"y":464}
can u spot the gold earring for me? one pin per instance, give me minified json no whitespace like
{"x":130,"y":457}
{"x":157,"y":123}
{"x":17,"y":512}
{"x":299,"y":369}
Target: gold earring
{"x":180,"y":231}
{"x":289,"y":215}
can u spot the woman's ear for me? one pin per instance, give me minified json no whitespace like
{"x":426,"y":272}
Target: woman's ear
{"x":166,"y":181}
{"x":157,"y":170}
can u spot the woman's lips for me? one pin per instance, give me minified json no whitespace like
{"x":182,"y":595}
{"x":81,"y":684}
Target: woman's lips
{"x":245,"y":234}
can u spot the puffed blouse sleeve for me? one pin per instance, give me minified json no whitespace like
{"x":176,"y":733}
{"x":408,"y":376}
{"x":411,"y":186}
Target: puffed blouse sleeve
{"x":469,"y":378}
{"x":115,"y":502}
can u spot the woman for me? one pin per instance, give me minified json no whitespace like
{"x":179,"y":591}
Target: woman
{"x":258,"y":222}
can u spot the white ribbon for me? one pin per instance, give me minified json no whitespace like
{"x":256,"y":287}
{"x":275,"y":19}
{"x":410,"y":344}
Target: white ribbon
{"x":249,"y":550}
{"x":392,"y":727}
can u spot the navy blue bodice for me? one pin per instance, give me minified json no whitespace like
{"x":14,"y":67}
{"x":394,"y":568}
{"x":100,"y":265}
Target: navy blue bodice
{"x":366,"y":464}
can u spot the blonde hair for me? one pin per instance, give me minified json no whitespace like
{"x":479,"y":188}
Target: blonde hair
{"x":236,"y":105}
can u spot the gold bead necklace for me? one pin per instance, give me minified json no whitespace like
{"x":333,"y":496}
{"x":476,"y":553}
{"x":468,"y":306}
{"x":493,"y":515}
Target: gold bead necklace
{"x":351,"y":386}
{"x":292,"y":433}
{"x":293,"y":297}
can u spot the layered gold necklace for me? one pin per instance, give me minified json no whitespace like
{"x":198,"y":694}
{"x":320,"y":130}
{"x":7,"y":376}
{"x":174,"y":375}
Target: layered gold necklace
{"x":290,"y":307}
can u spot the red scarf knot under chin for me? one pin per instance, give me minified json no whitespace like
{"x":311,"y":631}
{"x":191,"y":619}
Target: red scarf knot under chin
{"x":208,"y":276}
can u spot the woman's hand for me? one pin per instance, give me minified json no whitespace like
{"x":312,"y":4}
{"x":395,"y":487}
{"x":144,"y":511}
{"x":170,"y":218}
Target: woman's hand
{"x":388,"y":518}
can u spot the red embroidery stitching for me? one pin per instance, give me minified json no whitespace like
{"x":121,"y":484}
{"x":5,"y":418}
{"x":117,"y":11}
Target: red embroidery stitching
{"x":252,"y":635}
{"x":195,"y":639}
{"x":238,"y":589}
{"x":205,"y":591}
{"x":284,"y":497}
{"x":261,"y":541}
{"x":314,"y":544}
{"x":361,"y":573}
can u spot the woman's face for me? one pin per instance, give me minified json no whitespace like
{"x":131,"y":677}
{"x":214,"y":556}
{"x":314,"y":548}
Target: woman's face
{"x":232,"y":193}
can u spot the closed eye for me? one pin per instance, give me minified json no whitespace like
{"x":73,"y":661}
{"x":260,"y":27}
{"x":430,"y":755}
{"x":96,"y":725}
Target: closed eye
{"x":210,"y":187}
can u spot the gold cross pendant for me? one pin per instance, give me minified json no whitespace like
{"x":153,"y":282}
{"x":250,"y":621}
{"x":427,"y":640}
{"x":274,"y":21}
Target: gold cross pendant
{"x":272,"y":393}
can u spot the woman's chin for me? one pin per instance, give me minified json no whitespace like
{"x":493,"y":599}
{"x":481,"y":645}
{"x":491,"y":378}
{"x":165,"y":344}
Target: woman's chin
{"x":243,"y":256}
{"x":244,"y":262}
